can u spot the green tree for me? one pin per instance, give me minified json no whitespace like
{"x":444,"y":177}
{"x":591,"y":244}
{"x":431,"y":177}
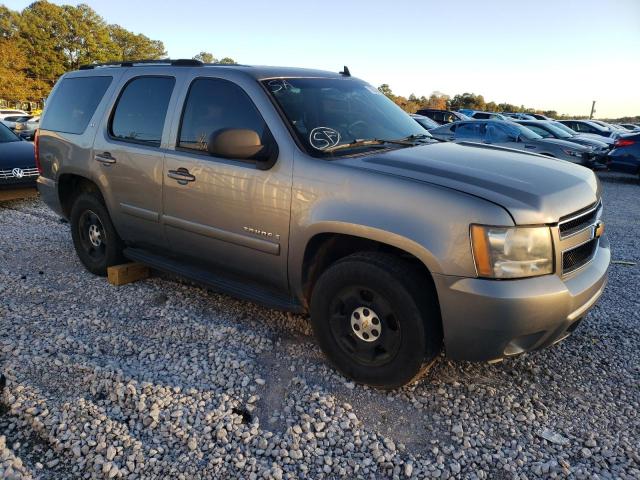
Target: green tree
{"x":206,"y":57}
{"x":43,"y":28}
{"x":228,"y":61}
{"x":86,"y":38}
{"x":131,"y":46}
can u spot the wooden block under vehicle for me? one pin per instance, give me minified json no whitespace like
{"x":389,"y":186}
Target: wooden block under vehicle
{"x":127,"y":273}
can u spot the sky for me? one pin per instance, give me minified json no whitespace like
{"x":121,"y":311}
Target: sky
{"x":547,"y":54}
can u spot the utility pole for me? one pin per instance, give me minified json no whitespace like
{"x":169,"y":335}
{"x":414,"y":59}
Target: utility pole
{"x":593,"y":110}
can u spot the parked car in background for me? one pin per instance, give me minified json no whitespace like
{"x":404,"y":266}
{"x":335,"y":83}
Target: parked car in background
{"x":630,"y":127}
{"x":313,"y":192}
{"x":442,"y":117}
{"x":539,"y":116}
{"x":13,"y":120}
{"x":513,"y":135}
{"x":625,"y":156}
{"x":466,"y":111}
{"x":425,"y":122}
{"x":6,"y":112}
{"x":27,"y":129}
{"x":17,"y":161}
{"x":547,"y":129}
{"x":588,"y":126}
{"x":608,"y":140}
{"x":617,"y":130}
{"x":518,"y":116}
{"x":489,"y":115}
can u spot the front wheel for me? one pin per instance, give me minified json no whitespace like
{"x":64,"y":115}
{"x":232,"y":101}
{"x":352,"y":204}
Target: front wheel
{"x":95,"y":239}
{"x":376,"y":319}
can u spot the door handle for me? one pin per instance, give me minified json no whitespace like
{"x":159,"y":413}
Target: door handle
{"x":105,"y":158}
{"x":182,"y":175}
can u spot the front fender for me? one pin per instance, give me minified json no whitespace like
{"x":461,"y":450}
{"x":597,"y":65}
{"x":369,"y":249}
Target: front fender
{"x":427,"y":221}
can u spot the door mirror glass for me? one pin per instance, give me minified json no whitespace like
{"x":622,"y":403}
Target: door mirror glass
{"x":239,"y":143}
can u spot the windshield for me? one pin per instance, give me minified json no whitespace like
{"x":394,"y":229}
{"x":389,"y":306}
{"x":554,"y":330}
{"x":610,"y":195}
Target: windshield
{"x":328,"y":112}
{"x":7,"y":135}
{"x":564,"y":128}
{"x":558,"y":132}
{"x":521,"y":131}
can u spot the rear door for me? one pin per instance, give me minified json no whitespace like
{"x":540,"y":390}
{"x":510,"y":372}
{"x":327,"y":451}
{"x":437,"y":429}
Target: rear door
{"x":129,"y":153}
{"x":221,"y":213}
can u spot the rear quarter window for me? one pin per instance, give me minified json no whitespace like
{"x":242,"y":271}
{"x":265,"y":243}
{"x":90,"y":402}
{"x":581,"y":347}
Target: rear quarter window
{"x":74,"y":103}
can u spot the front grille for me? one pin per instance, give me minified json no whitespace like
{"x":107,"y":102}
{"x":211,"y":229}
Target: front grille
{"x":26,"y":172}
{"x":579,"y":256}
{"x":579,"y":222}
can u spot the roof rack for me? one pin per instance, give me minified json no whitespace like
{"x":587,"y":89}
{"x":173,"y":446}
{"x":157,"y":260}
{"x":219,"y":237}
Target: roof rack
{"x":181,"y":62}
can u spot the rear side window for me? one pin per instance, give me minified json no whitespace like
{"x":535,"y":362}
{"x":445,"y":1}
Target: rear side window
{"x":469,"y":131}
{"x":497,"y":134}
{"x":141,"y":110}
{"x":214,"y":104}
{"x":74,"y":103}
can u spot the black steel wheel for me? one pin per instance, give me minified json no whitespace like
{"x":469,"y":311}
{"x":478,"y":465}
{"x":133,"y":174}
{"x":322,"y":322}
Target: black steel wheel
{"x":376,"y":318}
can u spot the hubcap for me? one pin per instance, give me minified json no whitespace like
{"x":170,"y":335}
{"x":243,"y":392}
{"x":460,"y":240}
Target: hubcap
{"x":365,"y":324}
{"x":95,"y":236}
{"x":92,"y":235}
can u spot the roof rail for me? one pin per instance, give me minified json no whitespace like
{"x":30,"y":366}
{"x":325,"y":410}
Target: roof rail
{"x":181,"y":62}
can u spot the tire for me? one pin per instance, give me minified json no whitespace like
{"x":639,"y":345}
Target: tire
{"x":377,"y":319}
{"x":95,"y":239}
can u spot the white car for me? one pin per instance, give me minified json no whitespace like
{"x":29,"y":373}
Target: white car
{"x":13,"y":120}
{"x":8,"y":112}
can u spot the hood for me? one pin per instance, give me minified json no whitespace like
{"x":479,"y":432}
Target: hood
{"x":533,"y":188}
{"x":17,"y":154}
{"x":564,"y":144}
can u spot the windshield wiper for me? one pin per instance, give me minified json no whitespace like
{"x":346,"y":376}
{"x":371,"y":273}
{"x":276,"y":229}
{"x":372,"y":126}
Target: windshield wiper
{"x":421,"y":136}
{"x":366,"y":143}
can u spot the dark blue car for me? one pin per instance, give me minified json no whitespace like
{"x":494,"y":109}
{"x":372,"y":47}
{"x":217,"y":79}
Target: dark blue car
{"x":625,"y":156}
{"x":17,"y":161}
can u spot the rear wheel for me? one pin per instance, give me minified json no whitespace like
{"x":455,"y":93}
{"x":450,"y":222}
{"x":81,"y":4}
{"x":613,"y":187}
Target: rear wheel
{"x":376,"y":319}
{"x":95,"y":239}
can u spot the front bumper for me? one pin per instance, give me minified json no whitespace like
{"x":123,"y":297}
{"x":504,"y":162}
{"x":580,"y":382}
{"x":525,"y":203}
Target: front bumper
{"x":492,"y":319}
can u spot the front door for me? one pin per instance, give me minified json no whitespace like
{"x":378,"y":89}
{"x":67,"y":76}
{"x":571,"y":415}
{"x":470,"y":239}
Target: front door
{"x":227,"y":215}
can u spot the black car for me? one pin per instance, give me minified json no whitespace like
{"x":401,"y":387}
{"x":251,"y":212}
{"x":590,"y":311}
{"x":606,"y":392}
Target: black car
{"x":17,"y":161}
{"x":442,"y":116}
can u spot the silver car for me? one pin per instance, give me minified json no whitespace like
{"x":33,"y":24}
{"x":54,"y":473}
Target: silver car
{"x":311,"y":191}
{"x":514,"y":135}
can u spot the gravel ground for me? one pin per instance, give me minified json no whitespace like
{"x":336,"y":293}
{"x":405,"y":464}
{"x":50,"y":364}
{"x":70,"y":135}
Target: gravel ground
{"x":163,"y":379}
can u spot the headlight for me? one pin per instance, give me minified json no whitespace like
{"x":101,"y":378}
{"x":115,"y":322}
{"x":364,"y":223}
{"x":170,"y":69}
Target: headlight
{"x":572,"y":153}
{"x":512,"y":252}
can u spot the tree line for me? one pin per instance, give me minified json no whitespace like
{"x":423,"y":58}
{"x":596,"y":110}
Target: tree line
{"x":469,"y":101}
{"x":45,"y":40}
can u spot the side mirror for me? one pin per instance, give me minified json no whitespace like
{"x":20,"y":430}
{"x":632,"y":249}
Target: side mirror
{"x":235,"y":143}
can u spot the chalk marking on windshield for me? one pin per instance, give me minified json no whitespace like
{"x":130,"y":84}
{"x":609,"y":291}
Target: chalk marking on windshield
{"x":322,"y":138}
{"x":278,"y":85}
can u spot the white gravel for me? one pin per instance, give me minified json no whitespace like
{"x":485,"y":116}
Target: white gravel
{"x":163,"y":379}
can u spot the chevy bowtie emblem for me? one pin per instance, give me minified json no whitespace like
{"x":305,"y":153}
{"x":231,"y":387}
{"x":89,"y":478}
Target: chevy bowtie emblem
{"x":17,"y":172}
{"x":598,"y":229}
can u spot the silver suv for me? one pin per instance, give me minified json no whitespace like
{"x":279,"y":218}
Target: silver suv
{"x":311,"y":191}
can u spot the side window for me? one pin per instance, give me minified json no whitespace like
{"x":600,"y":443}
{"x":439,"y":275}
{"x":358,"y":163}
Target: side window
{"x":214,"y":104}
{"x":141,"y":110}
{"x":481,"y":116}
{"x":496,"y":134}
{"x":469,"y":131}
{"x":73,"y":104}
{"x":438,"y":117}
